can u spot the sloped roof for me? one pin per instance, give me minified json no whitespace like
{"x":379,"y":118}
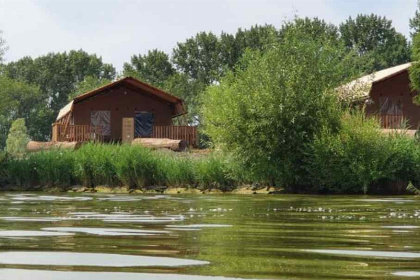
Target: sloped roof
{"x":361,"y":87}
{"x":178,"y":102}
{"x":65,"y":110}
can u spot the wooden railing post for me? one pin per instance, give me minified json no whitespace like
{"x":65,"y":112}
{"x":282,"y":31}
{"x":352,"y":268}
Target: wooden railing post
{"x":391,"y":121}
{"x":186,"y":133}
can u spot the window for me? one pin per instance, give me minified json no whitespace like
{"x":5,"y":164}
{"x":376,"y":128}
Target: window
{"x":103,"y":120}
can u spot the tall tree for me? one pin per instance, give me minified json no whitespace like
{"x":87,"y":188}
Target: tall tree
{"x":199,"y":57}
{"x":415,"y":22}
{"x":315,"y":28}
{"x":258,"y":37}
{"x":20,"y":100}
{"x":374,"y":38}
{"x":415,"y":68}
{"x":3,"y":47}
{"x":153,"y":67}
{"x":88,"y":84}
{"x":57,"y":75}
{"x":190,"y":90}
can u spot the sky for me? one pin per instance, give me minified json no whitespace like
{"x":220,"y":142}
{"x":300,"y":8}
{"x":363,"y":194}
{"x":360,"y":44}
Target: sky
{"x":117,"y":29}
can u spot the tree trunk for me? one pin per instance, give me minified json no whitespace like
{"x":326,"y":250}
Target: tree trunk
{"x":34,"y":146}
{"x":160,"y":143}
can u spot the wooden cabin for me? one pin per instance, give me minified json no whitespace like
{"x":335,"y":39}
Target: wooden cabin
{"x":387,"y":95}
{"x":120,"y":111}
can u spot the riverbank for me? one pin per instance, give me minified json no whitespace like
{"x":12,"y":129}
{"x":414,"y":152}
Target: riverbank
{"x":241,"y":190}
{"x":112,"y":168}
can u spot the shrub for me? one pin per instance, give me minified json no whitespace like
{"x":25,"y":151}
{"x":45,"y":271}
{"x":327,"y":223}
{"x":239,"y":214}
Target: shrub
{"x":274,"y":105}
{"x":17,"y":138}
{"x":359,"y":155}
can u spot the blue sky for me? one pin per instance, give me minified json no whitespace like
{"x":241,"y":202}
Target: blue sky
{"x":117,"y":29}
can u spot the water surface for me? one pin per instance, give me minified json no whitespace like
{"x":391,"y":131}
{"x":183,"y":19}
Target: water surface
{"x":219,"y":237}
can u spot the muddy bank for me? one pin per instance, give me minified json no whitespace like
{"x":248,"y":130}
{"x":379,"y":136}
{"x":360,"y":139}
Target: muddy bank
{"x":247,"y":190}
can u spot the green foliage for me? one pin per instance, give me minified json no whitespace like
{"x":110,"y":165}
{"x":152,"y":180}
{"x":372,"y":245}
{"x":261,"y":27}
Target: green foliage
{"x":92,"y":165}
{"x":411,"y":188}
{"x":415,"y":68}
{"x":415,"y":22}
{"x":267,"y":113}
{"x":374,"y":38}
{"x":17,"y":138}
{"x":257,"y":38}
{"x":115,"y":165}
{"x":154,"y":68}
{"x":358,"y":156}
{"x":199,"y":57}
{"x":19,"y":100}
{"x":88,"y":84}
{"x":3,"y":47}
{"x":57,"y":76}
{"x":190,"y":91}
{"x":315,"y":28}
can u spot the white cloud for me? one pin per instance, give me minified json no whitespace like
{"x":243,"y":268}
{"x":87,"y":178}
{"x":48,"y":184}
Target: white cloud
{"x":117,"y":29}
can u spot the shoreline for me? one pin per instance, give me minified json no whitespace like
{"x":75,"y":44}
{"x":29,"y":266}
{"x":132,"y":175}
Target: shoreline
{"x":156,"y":190}
{"x":247,"y":190}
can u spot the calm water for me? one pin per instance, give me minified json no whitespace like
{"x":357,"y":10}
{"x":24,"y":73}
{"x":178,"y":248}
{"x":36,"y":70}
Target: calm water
{"x":112,"y":237}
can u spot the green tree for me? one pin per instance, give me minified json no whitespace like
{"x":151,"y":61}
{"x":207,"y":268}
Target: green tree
{"x":258,"y":37}
{"x":190,"y":90}
{"x":374,"y":38}
{"x":154,"y":67}
{"x":20,"y":100}
{"x":57,"y":76}
{"x":88,"y":84}
{"x":199,"y":57}
{"x":415,"y":68}
{"x":17,"y":138}
{"x":266,"y":114}
{"x":316,"y":28}
{"x":3,"y":47}
{"x":415,"y":22}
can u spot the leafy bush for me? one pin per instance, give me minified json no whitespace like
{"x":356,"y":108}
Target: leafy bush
{"x":274,"y":105}
{"x":358,"y":156}
{"x":17,"y":138}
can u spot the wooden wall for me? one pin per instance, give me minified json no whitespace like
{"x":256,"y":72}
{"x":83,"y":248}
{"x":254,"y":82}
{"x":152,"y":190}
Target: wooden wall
{"x":123,"y":103}
{"x":396,"y":87}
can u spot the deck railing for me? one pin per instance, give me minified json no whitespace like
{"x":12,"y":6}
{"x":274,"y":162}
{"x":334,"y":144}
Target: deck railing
{"x":79,"y":133}
{"x":186,"y":133}
{"x":85,"y":133}
{"x":391,"y":121}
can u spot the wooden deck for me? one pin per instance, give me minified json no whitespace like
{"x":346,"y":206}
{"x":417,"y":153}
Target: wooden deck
{"x":186,"y":133}
{"x":85,"y":133}
{"x":78,"y":133}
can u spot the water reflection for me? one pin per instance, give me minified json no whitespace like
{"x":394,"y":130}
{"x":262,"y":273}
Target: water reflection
{"x":103,"y":237}
{"x":91,"y":259}
{"x":65,"y":275}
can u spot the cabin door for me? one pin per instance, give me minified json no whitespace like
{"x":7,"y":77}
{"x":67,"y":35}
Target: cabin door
{"x":144,"y":124}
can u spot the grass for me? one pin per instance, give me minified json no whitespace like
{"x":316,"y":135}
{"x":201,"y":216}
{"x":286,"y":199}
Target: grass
{"x":115,"y":165}
{"x":357,"y":158}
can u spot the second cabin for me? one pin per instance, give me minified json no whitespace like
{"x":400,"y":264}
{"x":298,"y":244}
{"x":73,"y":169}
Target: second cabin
{"x":121,"y":111}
